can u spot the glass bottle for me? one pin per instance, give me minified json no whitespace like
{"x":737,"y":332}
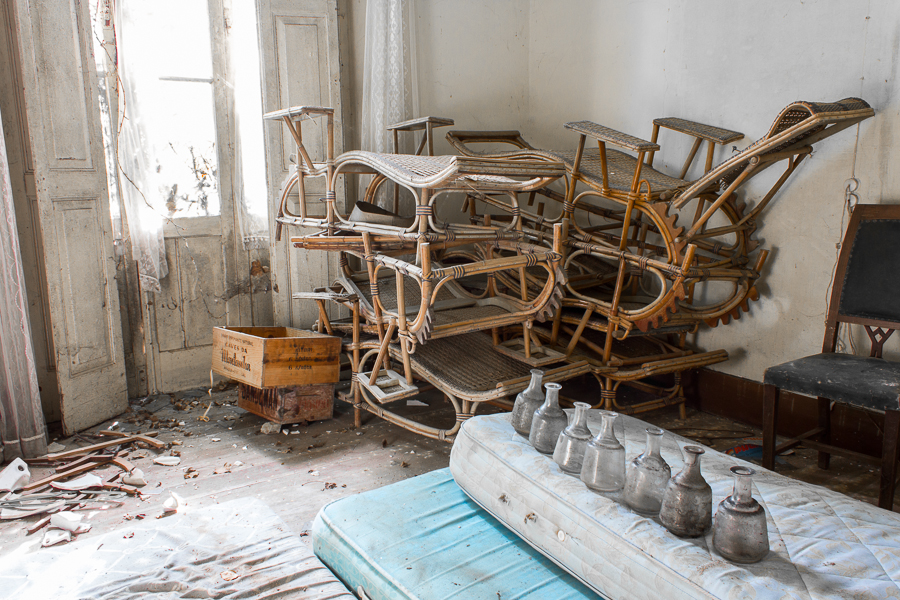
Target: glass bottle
{"x":646,"y":477}
{"x":528,"y":401}
{"x":603,"y":469}
{"x":740,"y":533}
{"x":569,"y":452}
{"x":687,"y":502}
{"x":548,"y":422}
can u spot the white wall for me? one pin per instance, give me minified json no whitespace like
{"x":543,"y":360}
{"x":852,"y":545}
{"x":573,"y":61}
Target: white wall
{"x":533,"y":66}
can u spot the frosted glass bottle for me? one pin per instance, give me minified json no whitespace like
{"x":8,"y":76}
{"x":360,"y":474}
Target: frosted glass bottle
{"x":548,"y":422}
{"x":603,"y":469}
{"x":646,"y":477}
{"x":528,"y":401}
{"x":740,"y":533}
{"x":570,"y":446}
{"x":687,"y":502}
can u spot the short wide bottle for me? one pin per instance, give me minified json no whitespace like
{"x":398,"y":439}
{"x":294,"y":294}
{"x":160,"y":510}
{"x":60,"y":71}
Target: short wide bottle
{"x":569,"y":452}
{"x":528,"y":401}
{"x":647,"y":477}
{"x":548,"y":422}
{"x":603,"y":469}
{"x":740,"y":533}
{"x":687,"y":502}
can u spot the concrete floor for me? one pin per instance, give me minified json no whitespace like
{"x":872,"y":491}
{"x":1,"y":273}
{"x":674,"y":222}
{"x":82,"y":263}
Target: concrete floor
{"x":301,"y":469}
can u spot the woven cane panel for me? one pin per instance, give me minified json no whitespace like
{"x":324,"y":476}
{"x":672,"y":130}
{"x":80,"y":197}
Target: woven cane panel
{"x":459,"y":315}
{"x":620,"y":167}
{"x":467,"y":362}
{"x":708,"y":132}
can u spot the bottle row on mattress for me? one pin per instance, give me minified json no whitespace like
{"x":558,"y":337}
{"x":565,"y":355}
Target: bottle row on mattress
{"x":682,"y":502}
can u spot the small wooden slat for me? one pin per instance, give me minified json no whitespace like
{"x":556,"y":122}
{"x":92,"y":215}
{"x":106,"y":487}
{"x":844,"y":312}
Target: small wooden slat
{"x":612,"y":136}
{"x":100,"y":446}
{"x":298,"y":112}
{"x":420,"y":123}
{"x":718,"y":135}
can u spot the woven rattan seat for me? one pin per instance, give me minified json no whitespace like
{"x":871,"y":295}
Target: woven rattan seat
{"x":621,"y":170}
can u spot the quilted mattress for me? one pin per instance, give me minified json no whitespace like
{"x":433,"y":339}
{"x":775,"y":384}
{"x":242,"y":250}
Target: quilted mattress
{"x":424,"y":538}
{"x":823,"y":543}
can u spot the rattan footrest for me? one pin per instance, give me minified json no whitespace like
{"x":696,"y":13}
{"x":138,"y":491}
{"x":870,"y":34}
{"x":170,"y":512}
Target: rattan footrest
{"x":389,"y":386}
{"x":540,"y":355}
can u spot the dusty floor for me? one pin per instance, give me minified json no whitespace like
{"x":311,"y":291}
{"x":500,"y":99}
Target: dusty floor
{"x":304,"y":467}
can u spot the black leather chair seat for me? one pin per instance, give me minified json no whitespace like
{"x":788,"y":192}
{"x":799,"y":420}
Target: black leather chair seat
{"x":871,"y":383}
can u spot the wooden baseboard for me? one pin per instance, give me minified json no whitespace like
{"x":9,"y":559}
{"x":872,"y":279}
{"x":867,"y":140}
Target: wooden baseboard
{"x":742,"y":400}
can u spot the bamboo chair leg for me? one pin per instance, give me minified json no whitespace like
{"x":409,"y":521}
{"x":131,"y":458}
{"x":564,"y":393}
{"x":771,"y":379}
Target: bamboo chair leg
{"x":382,"y":352}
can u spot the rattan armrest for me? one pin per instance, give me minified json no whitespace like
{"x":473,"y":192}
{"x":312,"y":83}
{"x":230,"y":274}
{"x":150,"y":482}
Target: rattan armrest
{"x":299,"y":113}
{"x":707,"y":132}
{"x":420,"y":123}
{"x":605,"y":134}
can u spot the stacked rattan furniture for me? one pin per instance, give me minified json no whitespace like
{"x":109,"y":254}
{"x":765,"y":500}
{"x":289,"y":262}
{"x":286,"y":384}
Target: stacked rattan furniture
{"x":413,"y":317}
{"x":611,"y":283}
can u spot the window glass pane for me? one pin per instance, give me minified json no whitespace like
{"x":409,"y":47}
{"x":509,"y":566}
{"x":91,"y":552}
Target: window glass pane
{"x":170,"y":54}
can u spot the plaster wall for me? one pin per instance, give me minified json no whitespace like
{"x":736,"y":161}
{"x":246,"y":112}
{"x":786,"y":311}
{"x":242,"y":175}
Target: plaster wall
{"x":533,"y":66}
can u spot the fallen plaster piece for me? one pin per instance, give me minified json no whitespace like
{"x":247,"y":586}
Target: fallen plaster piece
{"x":55,"y":536}
{"x":14,"y":476}
{"x":85,"y":481}
{"x":238,"y":463}
{"x":53,"y":448}
{"x":173,"y":503}
{"x":168,"y":461}
{"x":135,"y":478}
{"x":269,"y":427}
{"x":66,"y":520}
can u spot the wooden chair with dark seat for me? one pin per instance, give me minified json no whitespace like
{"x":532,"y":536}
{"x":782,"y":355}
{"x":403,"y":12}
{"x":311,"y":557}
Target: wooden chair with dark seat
{"x":866,"y":292}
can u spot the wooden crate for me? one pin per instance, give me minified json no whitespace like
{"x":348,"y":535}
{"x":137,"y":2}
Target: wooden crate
{"x":275,"y":356}
{"x":289,"y":404}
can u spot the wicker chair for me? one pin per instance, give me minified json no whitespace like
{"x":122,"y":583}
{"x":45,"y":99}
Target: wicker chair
{"x":639,"y":199}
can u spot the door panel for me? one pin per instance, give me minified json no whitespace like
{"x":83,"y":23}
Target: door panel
{"x":62,"y":112}
{"x":300,"y":66}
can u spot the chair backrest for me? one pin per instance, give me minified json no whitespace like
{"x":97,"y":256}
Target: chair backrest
{"x":866,"y":287}
{"x":798,"y":126}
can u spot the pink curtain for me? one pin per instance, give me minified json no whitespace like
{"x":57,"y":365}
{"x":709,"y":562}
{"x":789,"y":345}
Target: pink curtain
{"x":22,"y":428}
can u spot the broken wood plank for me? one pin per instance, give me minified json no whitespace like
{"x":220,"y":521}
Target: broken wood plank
{"x":88,"y":466}
{"x":119,"y":440}
{"x":118,"y":487}
{"x":109,"y":432}
{"x":35,"y":526}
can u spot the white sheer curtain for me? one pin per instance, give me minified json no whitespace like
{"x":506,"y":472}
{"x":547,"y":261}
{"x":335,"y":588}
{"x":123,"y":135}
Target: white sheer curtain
{"x":249,"y":181}
{"x":144,"y":206}
{"x":390,"y":91}
{"x":22,"y":428}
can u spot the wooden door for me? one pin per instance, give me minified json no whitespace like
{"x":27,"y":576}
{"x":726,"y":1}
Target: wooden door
{"x":300,"y":66}
{"x":72,"y":208}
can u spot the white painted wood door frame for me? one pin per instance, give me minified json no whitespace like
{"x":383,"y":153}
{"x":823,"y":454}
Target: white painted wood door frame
{"x":63,"y":117}
{"x":300,"y":66}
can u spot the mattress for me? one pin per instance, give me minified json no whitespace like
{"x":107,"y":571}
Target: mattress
{"x":823,"y":543}
{"x":424,"y":538}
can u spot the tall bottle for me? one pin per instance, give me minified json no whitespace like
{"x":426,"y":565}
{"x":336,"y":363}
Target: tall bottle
{"x":646,"y":477}
{"x":740,"y":533}
{"x":687,"y":502}
{"x":569,"y":452}
{"x":603,"y":469}
{"x":548,"y":422}
{"x":528,"y":401}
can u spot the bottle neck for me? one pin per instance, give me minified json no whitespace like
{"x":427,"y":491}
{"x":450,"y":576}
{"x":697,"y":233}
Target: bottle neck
{"x":552,"y":400}
{"x":606,"y":426}
{"x":534,"y":387}
{"x":742,"y":490}
{"x":654,"y":436}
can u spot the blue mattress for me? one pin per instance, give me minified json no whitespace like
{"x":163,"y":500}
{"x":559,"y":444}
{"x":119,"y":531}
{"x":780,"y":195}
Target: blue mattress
{"x":424,"y":538}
